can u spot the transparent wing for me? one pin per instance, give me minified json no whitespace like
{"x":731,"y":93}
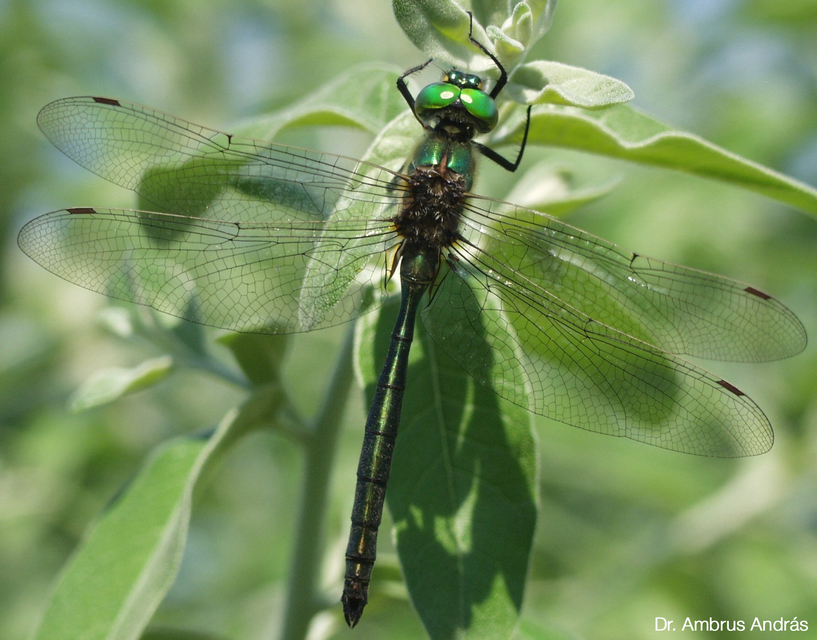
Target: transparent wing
{"x":542,"y":354}
{"x":244,"y":276}
{"x":265,"y":237}
{"x":678,"y":309}
{"x":184,"y":168}
{"x":595,"y":327}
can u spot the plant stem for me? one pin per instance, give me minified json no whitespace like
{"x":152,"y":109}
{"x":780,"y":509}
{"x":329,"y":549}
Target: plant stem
{"x":302,"y":601}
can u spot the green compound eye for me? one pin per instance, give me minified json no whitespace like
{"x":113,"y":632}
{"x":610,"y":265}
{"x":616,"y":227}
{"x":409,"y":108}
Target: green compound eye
{"x":436,"y":96}
{"x":440,"y":95}
{"x":482,"y":106}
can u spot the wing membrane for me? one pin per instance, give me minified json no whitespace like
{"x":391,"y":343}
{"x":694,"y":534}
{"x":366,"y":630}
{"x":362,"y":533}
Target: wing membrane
{"x":291,"y":230}
{"x":242,"y":276}
{"x":184,"y":168}
{"x":581,"y":372}
{"x":678,"y":309}
{"x":269,"y":238}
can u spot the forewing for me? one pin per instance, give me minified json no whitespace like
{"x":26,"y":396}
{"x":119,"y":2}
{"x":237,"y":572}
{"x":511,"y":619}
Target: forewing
{"x":315,"y":219}
{"x":243,"y":276}
{"x":184,"y":168}
{"x":581,"y":372}
{"x":338,"y":261}
{"x":678,"y":309}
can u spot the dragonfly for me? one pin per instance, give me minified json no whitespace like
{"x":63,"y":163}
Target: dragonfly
{"x":262,"y":237}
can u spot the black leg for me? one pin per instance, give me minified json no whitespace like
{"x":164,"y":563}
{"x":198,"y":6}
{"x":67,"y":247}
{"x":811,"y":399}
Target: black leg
{"x":503,"y":76}
{"x":404,"y":90}
{"x":500,"y":160}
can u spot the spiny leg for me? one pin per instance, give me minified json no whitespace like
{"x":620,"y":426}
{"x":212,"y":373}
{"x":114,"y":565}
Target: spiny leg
{"x":501,"y":160}
{"x":404,"y":90}
{"x":503,"y":75}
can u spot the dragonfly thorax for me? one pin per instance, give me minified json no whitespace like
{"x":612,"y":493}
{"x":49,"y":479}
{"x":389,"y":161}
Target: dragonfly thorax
{"x":431,"y":210}
{"x":432,"y":205}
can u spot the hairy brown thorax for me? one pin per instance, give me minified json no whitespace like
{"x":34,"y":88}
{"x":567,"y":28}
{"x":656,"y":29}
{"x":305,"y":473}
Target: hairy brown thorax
{"x":431,"y":210}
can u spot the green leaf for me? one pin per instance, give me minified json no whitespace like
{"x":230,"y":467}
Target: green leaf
{"x":462,"y":491}
{"x":190,"y":334}
{"x":110,"y":384}
{"x":529,"y":21}
{"x":117,"y":320}
{"x":439,"y":28}
{"x":364,"y":98}
{"x":549,"y":189}
{"x":393,"y":146}
{"x":116,"y":580}
{"x":623,"y":132}
{"x":259,"y":356}
{"x":544,"y":81}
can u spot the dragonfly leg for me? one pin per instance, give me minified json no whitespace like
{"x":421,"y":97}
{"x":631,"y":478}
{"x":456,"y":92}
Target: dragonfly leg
{"x":404,"y":90}
{"x":503,"y":75}
{"x":501,"y":160}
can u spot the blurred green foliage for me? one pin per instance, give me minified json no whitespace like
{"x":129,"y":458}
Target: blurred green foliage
{"x":626,"y":532}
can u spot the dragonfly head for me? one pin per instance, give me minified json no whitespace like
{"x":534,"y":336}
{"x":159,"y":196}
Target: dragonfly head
{"x":457,"y":102}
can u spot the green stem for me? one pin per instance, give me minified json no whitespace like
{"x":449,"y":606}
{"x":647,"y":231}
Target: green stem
{"x":302,"y":602}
